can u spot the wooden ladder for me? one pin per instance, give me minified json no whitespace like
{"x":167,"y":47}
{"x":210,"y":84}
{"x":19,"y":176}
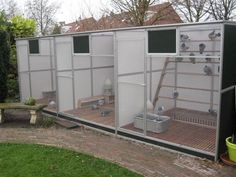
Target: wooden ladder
{"x":163,"y":72}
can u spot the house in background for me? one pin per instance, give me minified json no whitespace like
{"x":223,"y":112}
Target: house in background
{"x":166,"y":15}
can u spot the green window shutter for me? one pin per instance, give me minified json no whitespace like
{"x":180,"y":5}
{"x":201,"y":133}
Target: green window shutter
{"x":81,"y":44}
{"x":163,"y":41}
{"x":34,"y":46}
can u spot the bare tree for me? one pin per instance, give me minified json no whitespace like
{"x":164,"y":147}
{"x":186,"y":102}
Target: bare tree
{"x":222,"y":9}
{"x":133,"y":10}
{"x":192,"y":10}
{"x":43,"y":12}
{"x":10,"y":8}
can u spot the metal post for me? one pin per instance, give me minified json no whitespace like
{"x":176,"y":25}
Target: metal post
{"x":212,"y":80}
{"x":29,"y":70}
{"x":51,"y":65}
{"x":175,"y":87}
{"x":56,"y":76}
{"x":220,"y":88}
{"x":91,"y":63}
{"x":145,"y":84}
{"x":150,"y":79}
{"x":116,"y":83}
{"x":73,"y":73}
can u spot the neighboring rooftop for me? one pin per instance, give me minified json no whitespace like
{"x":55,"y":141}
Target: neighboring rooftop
{"x":156,"y":15}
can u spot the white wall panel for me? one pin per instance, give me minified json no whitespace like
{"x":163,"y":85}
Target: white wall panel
{"x":103,"y":61}
{"x":131,"y":102}
{"x":64,"y":54}
{"x":38,"y":62}
{"x":130,"y":52}
{"x":82,"y":84}
{"x":24,"y":86}
{"x":21,"y":42}
{"x":65,"y":92}
{"x":81,"y":61}
{"x":41,"y":81}
{"x":99,"y":77}
{"x":102,"y":45}
{"x":131,"y":98}
{"x":44,"y":45}
{"x":22,"y":54}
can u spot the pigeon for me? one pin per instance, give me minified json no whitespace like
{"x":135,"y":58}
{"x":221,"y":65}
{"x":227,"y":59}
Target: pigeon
{"x":208,"y":59}
{"x":213,"y":35}
{"x":184,"y":37}
{"x":212,"y":112}
{"x":192,"y":59}
{"x":175,"y":94}
{"x":52,"y":103}
{"x":184,"y":47}
{"x":179,"y":59}
{"x":202,"y":48}
{"x":207,"y":70}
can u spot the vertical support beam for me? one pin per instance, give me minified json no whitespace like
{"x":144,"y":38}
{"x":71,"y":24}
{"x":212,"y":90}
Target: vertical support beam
{"x":29,"y":70}
{"x":176,"y":65}
{"x":73,"y":73}
{"x":116,"y":82}
{"x":56,"y":75}
{"x":145,"y":83}
{"x":150,"y":79}
{"x":219,"y":93}
{"x":18,"y":71}
{"x":91,"y":63}
{"x":212,"y":79}
{"x":51,"y":63}
{"x":175,"y":86}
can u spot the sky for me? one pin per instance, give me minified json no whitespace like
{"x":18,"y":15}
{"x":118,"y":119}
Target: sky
{"x":70,"y":10}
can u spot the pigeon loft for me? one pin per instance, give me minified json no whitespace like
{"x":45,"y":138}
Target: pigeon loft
{"x":187,"y":70}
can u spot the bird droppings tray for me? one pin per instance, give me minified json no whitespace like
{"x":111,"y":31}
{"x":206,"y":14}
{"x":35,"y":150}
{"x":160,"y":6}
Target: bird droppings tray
{"x":225,"y":159}
{"x":66,"y":123}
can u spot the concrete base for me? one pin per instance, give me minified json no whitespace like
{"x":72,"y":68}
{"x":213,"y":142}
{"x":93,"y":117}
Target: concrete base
{"x":1,"y":115}
{"x":34,"y":116}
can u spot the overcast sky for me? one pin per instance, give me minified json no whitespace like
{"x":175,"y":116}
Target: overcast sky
{"x":70,"y":10}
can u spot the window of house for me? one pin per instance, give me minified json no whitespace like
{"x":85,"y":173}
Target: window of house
{"x":34,"y":46}
{"x":162,"y":41}
{"x":81,"y":44}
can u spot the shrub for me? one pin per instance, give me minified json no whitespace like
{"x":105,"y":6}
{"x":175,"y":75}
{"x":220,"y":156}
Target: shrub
{"x":4,"y":63}
{"x":30,"y":101}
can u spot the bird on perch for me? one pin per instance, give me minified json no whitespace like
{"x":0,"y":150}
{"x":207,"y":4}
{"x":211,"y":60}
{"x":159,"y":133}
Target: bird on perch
{"x":212,"y":35}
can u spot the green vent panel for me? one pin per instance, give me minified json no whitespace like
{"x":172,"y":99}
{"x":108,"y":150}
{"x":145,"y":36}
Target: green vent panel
{"x":34,"y":46}
{"x":81,"y":44}
{"x":163,"y":41}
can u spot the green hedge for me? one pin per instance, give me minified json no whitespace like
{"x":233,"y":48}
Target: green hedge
{"x":4,"y":63}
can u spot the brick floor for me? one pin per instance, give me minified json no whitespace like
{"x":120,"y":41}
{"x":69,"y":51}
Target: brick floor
{"x":144,"y":159}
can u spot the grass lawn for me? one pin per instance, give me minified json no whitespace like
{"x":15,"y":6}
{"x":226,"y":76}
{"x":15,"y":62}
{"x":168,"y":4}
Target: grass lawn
{"x":30,"y":160}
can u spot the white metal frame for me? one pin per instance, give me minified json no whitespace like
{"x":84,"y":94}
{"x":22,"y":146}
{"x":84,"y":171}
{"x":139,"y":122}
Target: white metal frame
{"x":147,"y":56}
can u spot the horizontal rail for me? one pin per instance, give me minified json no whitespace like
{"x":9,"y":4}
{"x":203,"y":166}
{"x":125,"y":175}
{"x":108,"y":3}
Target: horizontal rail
{"x":228,"y":89}
{"x":182,"y":56}
{"x":193,"y":74}
{"x":189,"y":88}
{"x":71,"y":77}
{"x":186,"y":100}
{"x":132,"y":83}
{"x":195,"y":62}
